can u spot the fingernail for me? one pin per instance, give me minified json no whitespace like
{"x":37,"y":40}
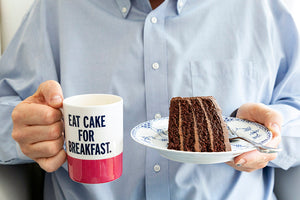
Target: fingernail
{"x":275,"y":128}
{"x":56,"y":100}
{"x":240,"y":162}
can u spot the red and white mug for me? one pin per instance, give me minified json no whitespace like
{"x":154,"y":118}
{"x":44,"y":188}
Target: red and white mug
{"x":94,"y":137}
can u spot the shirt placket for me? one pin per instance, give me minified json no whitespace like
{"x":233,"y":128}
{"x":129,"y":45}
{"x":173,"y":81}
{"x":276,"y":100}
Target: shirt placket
{"x":155,"y":64}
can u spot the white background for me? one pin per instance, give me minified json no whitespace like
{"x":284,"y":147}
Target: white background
{"x":11,"y":15}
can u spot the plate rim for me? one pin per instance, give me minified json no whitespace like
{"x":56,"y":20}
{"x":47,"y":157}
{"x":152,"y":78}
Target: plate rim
{"x":133,"y":131}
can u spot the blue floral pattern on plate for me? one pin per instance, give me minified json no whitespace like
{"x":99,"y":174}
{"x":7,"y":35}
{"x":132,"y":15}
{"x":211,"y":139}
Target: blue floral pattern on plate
{"x":154,"y":134}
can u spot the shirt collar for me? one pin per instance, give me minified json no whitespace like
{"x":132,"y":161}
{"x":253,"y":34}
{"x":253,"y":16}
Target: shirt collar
{"x":125,"y":6}
{"x":180,"y":5}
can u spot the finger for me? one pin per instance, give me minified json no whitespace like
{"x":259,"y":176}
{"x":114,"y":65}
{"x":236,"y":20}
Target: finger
{"x":254,"y":159}
{"x":275,"y":129}
{"x":53,"y":163}
{"x":260,"y":113}
{"x":251,"y":161}
{"x":275,"y":141}
{"x":35,"y":114}
{"x":49,"y":93}
{"x":34,"y":134}
{"x":43,"y":149}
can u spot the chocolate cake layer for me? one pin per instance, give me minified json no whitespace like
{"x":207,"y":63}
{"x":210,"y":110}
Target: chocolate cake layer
{"x":196,"y":124}
{"x":173,"y":129}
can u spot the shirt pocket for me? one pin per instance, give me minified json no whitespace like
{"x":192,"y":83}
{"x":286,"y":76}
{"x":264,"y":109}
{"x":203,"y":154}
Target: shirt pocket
{"x":231,"y":82}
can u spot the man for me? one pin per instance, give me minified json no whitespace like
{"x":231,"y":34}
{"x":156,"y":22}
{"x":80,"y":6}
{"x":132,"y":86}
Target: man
{"x":147,"y":52}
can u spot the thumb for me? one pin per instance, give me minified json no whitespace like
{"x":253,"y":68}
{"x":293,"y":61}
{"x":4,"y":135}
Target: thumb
{"x":262,"y":114}
{"x":49,"y":93}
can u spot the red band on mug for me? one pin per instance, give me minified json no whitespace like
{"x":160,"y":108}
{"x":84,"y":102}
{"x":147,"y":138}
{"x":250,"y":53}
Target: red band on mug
{"x":95,"y":171}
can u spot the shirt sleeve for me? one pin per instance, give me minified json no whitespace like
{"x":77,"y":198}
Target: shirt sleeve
{"x":28,"y":61}
{"x":286,"y":95}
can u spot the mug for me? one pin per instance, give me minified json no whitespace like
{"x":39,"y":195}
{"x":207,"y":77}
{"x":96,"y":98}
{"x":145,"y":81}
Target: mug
{"x":94,"y":137}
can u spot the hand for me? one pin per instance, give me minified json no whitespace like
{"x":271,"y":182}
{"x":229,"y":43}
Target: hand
{"x":38,"y":126}
{"x":262,"y":114}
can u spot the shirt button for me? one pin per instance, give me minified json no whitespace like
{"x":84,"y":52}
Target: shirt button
{"x":154,"y":20}
{"x":180,"y":4}
{"x":156,"y":168}
{"x":155,"y":65}
{"x":157,"y":116}
{"x":124,"y":10}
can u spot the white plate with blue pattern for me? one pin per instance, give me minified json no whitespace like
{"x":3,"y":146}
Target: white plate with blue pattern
{"x":154,"y":134}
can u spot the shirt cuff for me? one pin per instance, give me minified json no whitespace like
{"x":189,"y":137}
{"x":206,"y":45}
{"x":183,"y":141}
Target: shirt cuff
{"x":288,"y":113}
{"x":283,"y":160}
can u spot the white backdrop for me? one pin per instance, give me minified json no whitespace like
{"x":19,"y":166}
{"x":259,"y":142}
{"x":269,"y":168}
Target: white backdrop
{"x":11,"y":14}
{"x":294,"y":6}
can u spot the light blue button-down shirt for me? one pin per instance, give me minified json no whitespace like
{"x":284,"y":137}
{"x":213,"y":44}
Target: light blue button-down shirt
{"x":235,"y":50}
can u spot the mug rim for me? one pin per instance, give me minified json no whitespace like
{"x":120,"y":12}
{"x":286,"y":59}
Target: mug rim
{"x":69,"y":101}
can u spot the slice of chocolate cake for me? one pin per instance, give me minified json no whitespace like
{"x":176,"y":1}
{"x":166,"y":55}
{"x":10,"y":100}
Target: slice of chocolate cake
{"x":196,"y":124}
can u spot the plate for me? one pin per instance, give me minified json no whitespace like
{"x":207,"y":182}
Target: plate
{"x":154,"y":134}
